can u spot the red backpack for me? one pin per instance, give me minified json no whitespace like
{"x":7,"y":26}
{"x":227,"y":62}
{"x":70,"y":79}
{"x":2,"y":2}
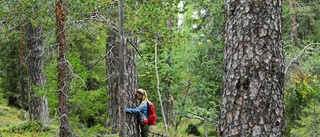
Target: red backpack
{"x":151,"y":115}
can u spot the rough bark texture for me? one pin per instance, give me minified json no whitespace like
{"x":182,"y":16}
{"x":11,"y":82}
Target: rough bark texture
{"x":122,"y":114}
{"x":62,"y":69}
{"x":112,"y":73}
{"x":38,"y":106}
{"x":253,"y":71}
{"x":294,"y":26}
{"x":130,"y":82}
{"x":22,"y":92}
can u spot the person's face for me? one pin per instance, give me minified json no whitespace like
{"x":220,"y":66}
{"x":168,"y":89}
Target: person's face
{"x":139,"y":97}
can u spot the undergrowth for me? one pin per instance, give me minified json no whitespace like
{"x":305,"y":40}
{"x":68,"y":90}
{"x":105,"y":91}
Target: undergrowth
{"x":12,"y":125}
{"x":27,"y":126}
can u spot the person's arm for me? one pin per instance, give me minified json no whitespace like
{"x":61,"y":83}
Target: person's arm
{"x":136,"y":110}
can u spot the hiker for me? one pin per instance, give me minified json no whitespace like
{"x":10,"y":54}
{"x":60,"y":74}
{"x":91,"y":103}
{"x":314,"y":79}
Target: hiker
{"x":142,"y":111}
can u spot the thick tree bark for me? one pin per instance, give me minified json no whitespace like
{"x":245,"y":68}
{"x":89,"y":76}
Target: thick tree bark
{"x":130,"y":82}
{"x":62,"y":69}
{"x":22,"y":92}
{"x":38,"y":106}
{"x":294,"y":26}
{"x":112,"y":73}
{"x":253,"y":70}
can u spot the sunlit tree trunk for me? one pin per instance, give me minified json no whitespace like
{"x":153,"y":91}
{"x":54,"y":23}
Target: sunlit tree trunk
{"x":62,"y":69}
{"x":38,"y":105}
{"x":253,"y":70}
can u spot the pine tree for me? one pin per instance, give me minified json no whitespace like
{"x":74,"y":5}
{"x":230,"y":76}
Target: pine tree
{"x":62,"y":69}
{"x":253,"y":70}
{"x":38,"y":105}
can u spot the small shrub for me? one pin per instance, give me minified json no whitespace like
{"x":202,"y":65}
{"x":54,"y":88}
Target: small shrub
{"x":1,"y":113}
{"x":212,"y":133}
{"x":25,"y":126}
{"x":192,"y":129}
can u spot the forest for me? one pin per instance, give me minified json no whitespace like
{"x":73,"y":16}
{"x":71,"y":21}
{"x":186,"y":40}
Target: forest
{"x":210,"y":67}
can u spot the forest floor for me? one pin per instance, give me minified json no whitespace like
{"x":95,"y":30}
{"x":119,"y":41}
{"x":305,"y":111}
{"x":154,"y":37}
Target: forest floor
{"x":13,"y":123}
{"x":182,"y":129}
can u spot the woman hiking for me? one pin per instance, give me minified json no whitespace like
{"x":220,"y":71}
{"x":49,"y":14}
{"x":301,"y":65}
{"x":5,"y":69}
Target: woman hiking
{"x":142,"y":111}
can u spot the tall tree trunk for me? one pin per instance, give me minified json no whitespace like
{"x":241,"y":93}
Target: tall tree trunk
{"x":253,"y":70}
{"x":62,"y":69}
{"x":294,"y":26}
{"x":38,"y":106}
{"x":122,"y":114}
{"x":112,"y":73}
{"x":131,"y":83}
{"x":130,"y":80}
{"x":22,"y":93}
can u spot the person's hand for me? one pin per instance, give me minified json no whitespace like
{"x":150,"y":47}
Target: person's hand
{"x":127,"y":110}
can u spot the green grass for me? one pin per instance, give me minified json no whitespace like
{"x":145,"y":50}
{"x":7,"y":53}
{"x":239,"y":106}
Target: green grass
{"x":11,"y":125}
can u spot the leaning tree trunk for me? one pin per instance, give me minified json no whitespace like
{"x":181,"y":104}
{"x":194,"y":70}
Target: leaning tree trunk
{"x":62,"y":69}
{"x":158,"y":88}
{"x":253,"y":70}
{"x":38,"y":106}
{"x":130,"y":80}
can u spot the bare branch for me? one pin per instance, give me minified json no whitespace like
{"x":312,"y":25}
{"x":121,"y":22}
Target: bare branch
{"x":290,"y":63}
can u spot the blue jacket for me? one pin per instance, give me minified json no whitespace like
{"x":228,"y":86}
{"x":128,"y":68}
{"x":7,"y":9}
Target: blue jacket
{"x":143,"y":109}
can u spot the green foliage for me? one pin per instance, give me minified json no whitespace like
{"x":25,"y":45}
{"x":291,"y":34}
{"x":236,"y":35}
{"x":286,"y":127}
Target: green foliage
{"x":192,"y":129}
{"x":80,"y":104}
{"x":307,"y":14}
{"x":82,"y":130}
{"x":2,"y":100}
{"x":9,"y":66}
{"x":301,"y":87}
{"x":27,"y":126}
{"x":2,"y":113}
{"x":189,"y":58}
{"x":309,"y":125}
{"x":204,"y":60}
